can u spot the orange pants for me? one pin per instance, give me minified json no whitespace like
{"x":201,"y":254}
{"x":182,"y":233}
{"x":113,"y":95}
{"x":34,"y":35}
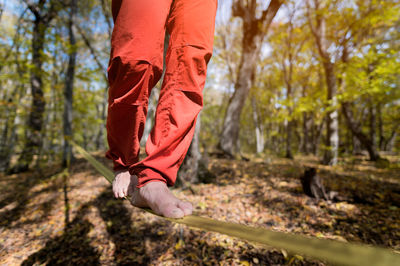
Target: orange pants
{"x":135,"y":66}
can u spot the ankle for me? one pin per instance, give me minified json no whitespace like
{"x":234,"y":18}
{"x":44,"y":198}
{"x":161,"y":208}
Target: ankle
{"x":154,"y":184}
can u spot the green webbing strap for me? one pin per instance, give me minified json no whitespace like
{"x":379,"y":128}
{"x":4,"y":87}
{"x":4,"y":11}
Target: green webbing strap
{"x":322,"y":249}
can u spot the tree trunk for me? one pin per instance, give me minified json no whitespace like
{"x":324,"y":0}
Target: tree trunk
{"x":318,"y":30}
{"x":258,"y":127}
{"x":288,"y":153}
{"x":7,"y":148}
{"x":389,"y":145}
{"x":307,"y":133}
{"x":380,"y":127}
{"x":33,"y":136}
{"x":317,"y":136}
{"x":230,"y":133}
{"x":372,"y":122}
{"x":150,"y":115}
{"x":188,"y":173}
{"x":356,"y":146}
{"x":288,"y":143}
{"x":5,"y":141}
{"x":332,"y":122}
{"x":100,"y":134}
{"x":35,"y":120}
{"x":254,"y":30}
{"x":355,"y":127}
{"x":69,"y":87}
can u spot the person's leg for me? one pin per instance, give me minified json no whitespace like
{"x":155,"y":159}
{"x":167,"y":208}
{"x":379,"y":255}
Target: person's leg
{"x":135,"y":66}
{"x":191,"y":25}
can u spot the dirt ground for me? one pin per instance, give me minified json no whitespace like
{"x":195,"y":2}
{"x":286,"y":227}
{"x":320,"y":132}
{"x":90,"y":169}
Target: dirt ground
{"x":45,"y":220}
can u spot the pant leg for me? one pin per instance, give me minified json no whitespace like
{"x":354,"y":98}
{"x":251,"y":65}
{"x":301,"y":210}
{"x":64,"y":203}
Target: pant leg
{"x":191,"y":26}
{"x":135,"y":66}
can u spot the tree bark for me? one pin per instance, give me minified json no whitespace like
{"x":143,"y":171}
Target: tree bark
{"x":307,"y":133}
{"x":291,"y":51}
{"x":317,"y":130}
{"x":5,"y":141}
{"x":254,"y":30}
{"x":188,"y":173}
{"x":372,"y":122}
{"x":356,"y":146}
{"x":33,"y":134}
{"x":150,"y":115}
{"x":9,"y":133}
{"x":380,"y":126}
{"x":332,"y":124}
{"x":389,"y":145}
{"x":355,"y":127}
{"x":69,"y":87}
{"x":258,"y":127}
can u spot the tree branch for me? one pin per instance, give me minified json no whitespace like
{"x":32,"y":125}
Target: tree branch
{"x":238,"y":9}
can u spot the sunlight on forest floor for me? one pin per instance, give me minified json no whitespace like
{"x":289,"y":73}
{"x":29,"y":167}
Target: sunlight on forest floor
{"x":263,"y":192}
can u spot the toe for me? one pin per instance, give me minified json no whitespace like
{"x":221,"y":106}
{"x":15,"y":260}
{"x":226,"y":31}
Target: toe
{"x":172,"y":212}
{"x":186,"y":207}
{"x":116,"y":192}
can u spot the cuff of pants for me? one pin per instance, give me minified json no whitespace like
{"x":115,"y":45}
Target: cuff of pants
{"x":117,"y":164}
{"x":146,"y":175}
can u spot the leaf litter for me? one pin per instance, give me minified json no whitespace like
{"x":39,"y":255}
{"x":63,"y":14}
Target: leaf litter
{"x":261,"y":193}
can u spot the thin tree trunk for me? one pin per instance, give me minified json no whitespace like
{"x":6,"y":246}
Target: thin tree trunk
{"x":355,"y":127}
{"x":8,"y":139}
{"x":69,"y":87}
{"x":288,"y":152}
{"x":332,"y":124}
{"x":389,"y":145}
{"x":305,"y":141}
{"x":391,"y":141}
{"x":288,"y":141}
{"x":291,"y":51}
{"x":380,"y":127}
{"x":33,"y":136}
{"x":317,"y":136}
{"x":150,"y":115}
{"x":188,"y":173}
{"x":4,"y":141}
{"x":258,"y":128}
{"x":372,"y":123}
{"x":356,"y":146}
{"x":102,"y":111}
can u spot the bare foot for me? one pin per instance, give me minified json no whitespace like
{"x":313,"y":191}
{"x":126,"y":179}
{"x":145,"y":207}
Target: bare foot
{"x":160,"y":199}
{"x":124,"y":184}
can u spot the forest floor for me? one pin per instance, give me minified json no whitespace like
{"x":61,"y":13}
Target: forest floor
{"x":262,"y":192}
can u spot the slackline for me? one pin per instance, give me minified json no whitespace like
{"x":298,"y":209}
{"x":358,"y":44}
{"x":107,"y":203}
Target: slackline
{"x":331,"y":251}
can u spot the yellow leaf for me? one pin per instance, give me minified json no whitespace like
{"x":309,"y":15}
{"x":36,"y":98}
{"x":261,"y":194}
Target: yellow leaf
{"x":244,"y":263}
{"x":284,"y":253}
{"x":180,"y":244}
{"x":202,"y":205}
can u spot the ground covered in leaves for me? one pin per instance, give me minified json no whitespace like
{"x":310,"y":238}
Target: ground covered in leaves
{"x":46,"y":220}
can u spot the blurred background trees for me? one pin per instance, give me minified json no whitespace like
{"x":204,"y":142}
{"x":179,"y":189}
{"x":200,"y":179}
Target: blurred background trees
{"x":287,"y":78}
